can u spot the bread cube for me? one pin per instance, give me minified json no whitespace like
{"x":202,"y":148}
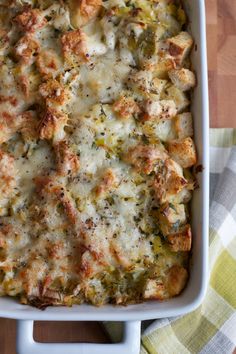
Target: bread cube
{"x":177,"y":279}
{"x":181,"y":240}
{"x":183,"y":78}
{"x":154,"y":289}
{"x":169,"y":216}
{"x":183,"y":152}
{"x":157,"y":86}
{"x":26,"y":49}
{"x":168,"y":184}
{"x":140,"y":81}
{"x":126,"y":107}
{"x":83,"y":11}
{"x":179,"y":97}
{"x":52,"y":125}
{"x":144,"y":158}
{"x":164,"y":109}
{"x":173,"y":283}
{"x":163,"y":130}
{"x":163,"y":67}
{"x":180,"y":46}
{"x":67,"y":162}
{"x":183,"y":125}
{"x":74,"y":47}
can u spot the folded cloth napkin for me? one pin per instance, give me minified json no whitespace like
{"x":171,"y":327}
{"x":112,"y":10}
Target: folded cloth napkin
{"x":211,"y":329}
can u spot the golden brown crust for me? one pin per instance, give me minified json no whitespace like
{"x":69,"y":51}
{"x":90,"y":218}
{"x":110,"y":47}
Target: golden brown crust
{"x":170,"y":183}
{"x":53,"y":92}
{"x":172,"y":285}
{"x":83,"y":11}
{"x":24,"y":85}
{"x":154,"y":290}
{"x":183,"y":152}
{"x":30,"y":20}
{"x":74,"y":46}
{"x":7,"y":175}
{"x":52,"y":124}
{"x":144,"y":158}
{"x":26,"y":49}
{"x":126,"y":107}
{"x":176,"y":281}
{"x":182,"y":78}
{"x":48,"y":63}
{"x":181,"y":240}
{"x":11,"y":99}
{"x":29,"y":125}
{"x":67,"y":161}
{"x":170,"y":217}
{"x":56,"y":193}
{"x":156,"y":110}
{"x":180,"y":46}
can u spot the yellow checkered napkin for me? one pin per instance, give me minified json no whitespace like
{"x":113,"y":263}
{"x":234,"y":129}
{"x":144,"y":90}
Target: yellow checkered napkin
{"x":211,"y":329}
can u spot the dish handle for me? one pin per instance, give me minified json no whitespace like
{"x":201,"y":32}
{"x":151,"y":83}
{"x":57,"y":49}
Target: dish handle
{"x":25,"y":343}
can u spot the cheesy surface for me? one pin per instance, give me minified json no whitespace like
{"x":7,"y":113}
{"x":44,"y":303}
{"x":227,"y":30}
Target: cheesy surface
{"x":96,"y":150}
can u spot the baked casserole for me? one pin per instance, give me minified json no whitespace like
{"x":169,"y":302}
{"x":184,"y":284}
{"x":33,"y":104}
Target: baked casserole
{"x":96,"y":150}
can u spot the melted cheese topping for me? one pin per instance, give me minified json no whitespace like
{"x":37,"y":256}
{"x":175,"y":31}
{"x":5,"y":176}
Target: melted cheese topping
{"x":96,"y":151}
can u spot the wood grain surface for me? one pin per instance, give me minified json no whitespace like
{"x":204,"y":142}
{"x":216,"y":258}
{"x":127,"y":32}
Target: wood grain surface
{"x":221,"y":35}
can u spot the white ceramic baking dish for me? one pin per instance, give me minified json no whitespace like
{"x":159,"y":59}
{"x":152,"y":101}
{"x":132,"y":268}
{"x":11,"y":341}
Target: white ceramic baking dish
{"x":195,"y":290}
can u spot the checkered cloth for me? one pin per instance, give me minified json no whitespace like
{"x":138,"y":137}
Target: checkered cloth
{"x":211,"y":329}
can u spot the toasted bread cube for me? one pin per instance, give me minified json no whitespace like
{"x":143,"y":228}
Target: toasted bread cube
{"x":67,"y":161}
{"x":7,"y":175}
{"x":176,"y":280}
{"x":179,"y":97}
{"x":83,"y":11}
{"x":55,"y":193}
{"x":181,"y":240}
{"x":48,"y":63}
{"x":157,"y":86}
{"x":52,"y":125}
{"x":10,"y":124}
{"x":6,"y":132}
{"x":172,"y":284}
{"x":180,"y":46}
{"x":29,"y":124}
{"x":74,"y":47}
{"x":183,"y":78}
{"x":163,"y":67}
{"x":140,"y":81}
{"x":144,"y":158}
{"x":145,"y":84}
{"x":183,"y":125}
{"x":183,"y":152}
{"x":159,"y":130}
{"x":170,"y":182}
{"x":154,"y":289}
{"x":31,"y":20}
{"x":184,"y":196}
{"x":169,"y":216}
{"x":53,"y":92}
{"x":164,"y":109}
{"x":26,"y":49}
{"x":126,"y":107}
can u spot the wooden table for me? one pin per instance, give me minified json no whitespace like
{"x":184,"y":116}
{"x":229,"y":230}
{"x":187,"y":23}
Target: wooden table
{"x":221,"y":33}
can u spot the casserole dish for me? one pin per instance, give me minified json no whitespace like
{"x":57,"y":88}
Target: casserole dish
{"x":194,"y":292}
